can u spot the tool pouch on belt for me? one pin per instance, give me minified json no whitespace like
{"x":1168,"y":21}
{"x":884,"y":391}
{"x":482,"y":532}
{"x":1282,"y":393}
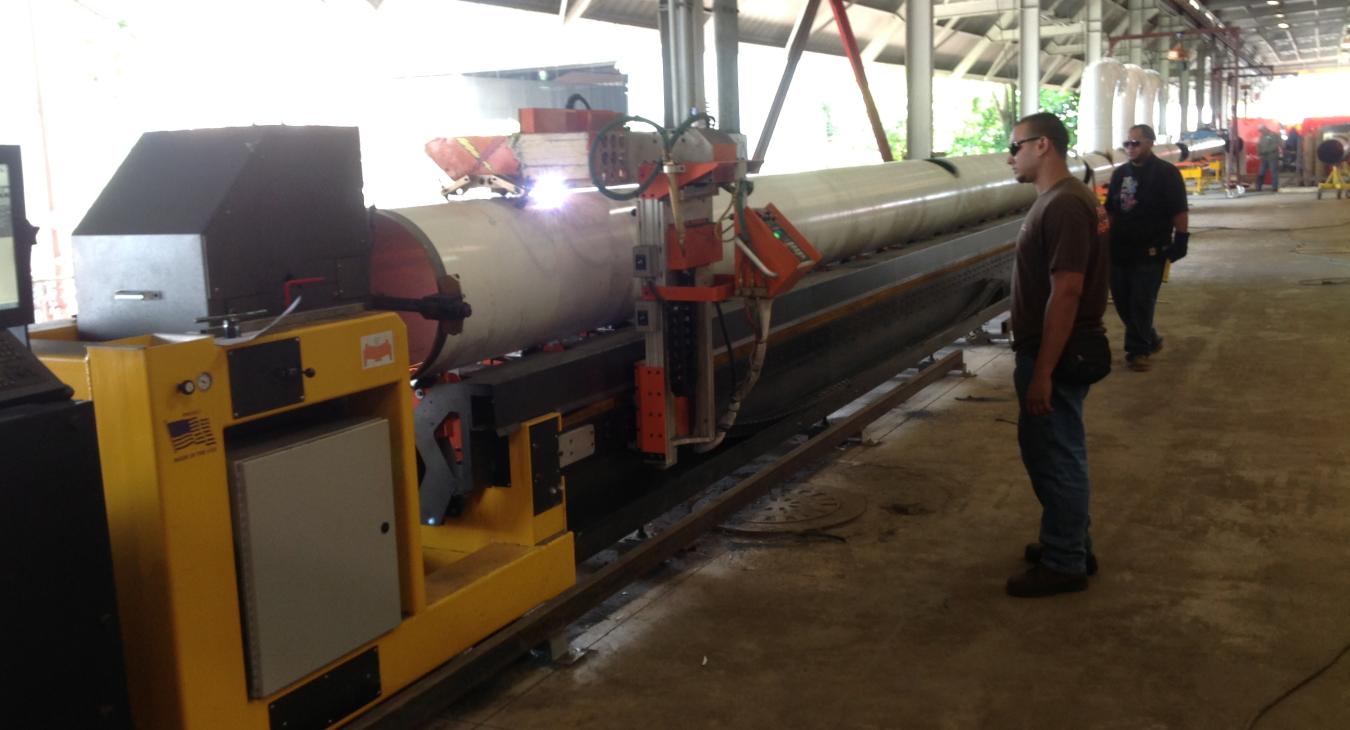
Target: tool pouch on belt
{"x":1085,"y":360}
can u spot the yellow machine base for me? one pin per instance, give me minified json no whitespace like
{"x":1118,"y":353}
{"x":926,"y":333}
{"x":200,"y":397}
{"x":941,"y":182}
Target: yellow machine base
{"x":177,"y":418}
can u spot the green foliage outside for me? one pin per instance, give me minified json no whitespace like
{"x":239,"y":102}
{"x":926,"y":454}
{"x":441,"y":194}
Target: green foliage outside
{"x":992,"y":120}
{"x":897,"y":136}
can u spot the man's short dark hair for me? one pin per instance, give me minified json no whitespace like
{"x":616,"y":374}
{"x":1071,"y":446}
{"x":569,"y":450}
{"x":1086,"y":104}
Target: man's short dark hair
{"x":1045,"y":124}
{"x":1146,"y":131}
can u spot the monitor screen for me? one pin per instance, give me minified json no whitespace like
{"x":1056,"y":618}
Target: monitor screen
{"x":9,"y":269}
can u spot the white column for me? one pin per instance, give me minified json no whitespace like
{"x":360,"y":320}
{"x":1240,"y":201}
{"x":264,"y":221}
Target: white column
{"x":1200,"y":73}
{"x":1184,"y":94}
{"x":1164,"y":70}
{"x":727,"y":44}
{"x":685,"y":21}
{"x":1029,"y":73}
{"x":919,"y":78}
{"x":1093,"y":30}
{"x":1136,"y":15}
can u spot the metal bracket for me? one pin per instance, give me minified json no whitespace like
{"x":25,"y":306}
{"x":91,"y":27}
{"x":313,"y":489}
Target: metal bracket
{"x":442,"y":479}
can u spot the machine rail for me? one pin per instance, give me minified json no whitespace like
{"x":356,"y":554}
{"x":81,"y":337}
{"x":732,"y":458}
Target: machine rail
{"x":421,"y":701}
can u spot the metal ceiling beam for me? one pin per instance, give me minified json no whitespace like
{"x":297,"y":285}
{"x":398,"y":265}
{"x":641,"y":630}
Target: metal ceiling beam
{"x":571,"y":10}
{"x":1073,"y":76}
{"x":878,"y":45}
{"x":971,"y":7}
{"x":881,"y":40}
{"x":801,"y":30}
{"x":851,"y":50}
{"x":1199,"y":20}
{"x":971,"y":57}
{"x":1047,"y":31}
{"x":1004,"y":54}
{"x":1053,"y":68}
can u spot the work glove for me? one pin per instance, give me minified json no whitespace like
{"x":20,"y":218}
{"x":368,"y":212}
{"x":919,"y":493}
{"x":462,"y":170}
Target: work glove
{"x":1177,"y":251}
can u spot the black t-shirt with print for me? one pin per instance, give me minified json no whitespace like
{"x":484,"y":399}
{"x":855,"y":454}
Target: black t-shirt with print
{"x":1142,"y":200}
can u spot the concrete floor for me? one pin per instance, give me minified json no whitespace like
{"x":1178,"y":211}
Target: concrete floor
{"x":1221,"y":514}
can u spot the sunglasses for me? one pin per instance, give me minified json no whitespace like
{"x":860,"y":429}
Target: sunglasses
{"x":1130,"y":143}
{"x":1014,"y":147}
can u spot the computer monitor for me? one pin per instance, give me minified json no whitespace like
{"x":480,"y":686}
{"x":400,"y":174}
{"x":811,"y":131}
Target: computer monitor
{"x":16,"y":244}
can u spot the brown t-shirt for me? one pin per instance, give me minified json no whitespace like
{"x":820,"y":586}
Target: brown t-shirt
{"x":1065,"y":230}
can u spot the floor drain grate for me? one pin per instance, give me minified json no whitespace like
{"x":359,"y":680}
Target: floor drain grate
{"x":797,"y":509}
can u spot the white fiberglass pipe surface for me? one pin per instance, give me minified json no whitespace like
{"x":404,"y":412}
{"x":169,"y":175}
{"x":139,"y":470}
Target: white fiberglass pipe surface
{"x":1148,"y":99}
{"x":536,"y":275}
{"x":531,"y":275}
{"x":1127,"y":93}
{"x":1095,"y":119}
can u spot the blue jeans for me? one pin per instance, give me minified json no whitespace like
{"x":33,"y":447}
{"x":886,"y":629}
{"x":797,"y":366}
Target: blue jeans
{"x":1054,"y":451}
{"x":1274,"y":167}
{"x":1134,"y":289}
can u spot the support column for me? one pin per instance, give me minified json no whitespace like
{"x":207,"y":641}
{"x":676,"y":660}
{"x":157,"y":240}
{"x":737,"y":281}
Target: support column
{"x":1029,"y":73}
{"x":726,"y":39}
{"x":1165,"y":73}
{"x":1200,"y":73}
{"x":1136,"y":16}
{"x":1215,"y":90}
{"x":1184,"y":96}
{"x":919,"y":78}
{"x":1221,"y":111}
{"x":1093,"y":30}
{"x":663,"y":31}
{"x":684,"y":20}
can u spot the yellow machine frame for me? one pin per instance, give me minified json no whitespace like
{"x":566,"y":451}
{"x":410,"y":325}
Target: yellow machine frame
{"x":1196,"y":172}
{"x":170,"y":521}
{"x":1338,"y":179}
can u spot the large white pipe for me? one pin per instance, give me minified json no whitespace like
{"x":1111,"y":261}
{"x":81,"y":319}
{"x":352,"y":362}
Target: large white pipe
{"x":1127,"y":94}
{"x":1148,"y":99}
{"x":534,"y":275}
{"x":1094,"y":114}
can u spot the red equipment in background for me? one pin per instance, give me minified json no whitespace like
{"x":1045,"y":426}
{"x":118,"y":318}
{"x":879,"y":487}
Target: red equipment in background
{"x":1249,"y":131}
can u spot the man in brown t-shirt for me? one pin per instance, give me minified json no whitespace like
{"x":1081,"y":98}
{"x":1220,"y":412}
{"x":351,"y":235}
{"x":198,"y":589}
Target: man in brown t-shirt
{"x":1060,"y":284}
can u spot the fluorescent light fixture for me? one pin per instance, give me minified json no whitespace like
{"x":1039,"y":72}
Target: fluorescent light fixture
{"x":1195,"y":4}
{"x":1284,"y":26}
{"x":1272,"y":2}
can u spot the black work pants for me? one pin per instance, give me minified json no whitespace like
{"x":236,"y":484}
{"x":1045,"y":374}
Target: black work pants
{"x":1134,"y":288}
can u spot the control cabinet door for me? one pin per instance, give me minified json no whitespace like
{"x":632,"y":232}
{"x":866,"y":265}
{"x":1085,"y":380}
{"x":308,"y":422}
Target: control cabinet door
{"x":314,"y":538}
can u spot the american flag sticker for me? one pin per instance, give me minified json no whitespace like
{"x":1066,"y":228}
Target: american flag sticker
{"x":192,"y":431}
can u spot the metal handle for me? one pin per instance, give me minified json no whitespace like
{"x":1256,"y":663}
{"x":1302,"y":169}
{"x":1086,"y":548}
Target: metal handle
{"x":137,"y":296}
{"x":750,"y":254}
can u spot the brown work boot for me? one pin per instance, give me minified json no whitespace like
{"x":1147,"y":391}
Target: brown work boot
{"x":1041,"y":581}
{"x":1033,"y":551}
{"x":1139,"y":363}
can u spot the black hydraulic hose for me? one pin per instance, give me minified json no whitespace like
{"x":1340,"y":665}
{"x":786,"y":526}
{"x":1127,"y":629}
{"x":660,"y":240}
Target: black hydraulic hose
{"x":573,"y":99}
{"x":726,"y":338}
{"x":668,"y":140}
{"x":595,"y":146}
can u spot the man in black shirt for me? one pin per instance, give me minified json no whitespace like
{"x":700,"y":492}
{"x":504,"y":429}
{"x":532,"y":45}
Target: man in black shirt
{"x":1147,"y":204}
